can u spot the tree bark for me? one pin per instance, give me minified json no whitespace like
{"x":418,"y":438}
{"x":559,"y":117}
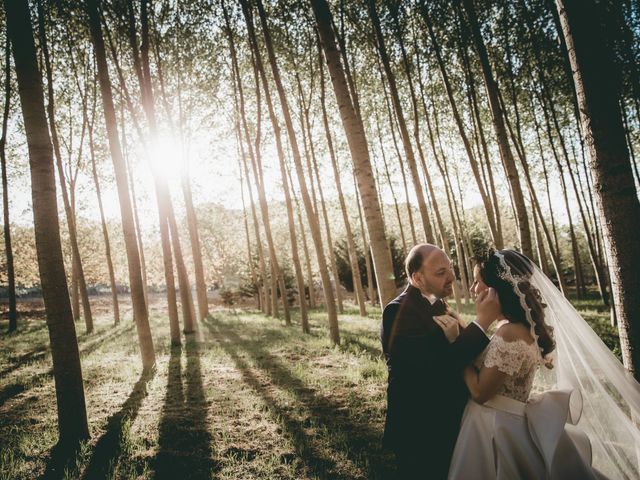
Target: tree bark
{"x":297,"y":160}
{"x":11,"y":277}
{"x":358,"y":147}
{"x":67,"y":372}
{"x":486,"y":201}
{"x":71,"y":221}
{"x":141,"y":314}
{"x":103,"y":223}
{"x":402,"y":124}
{"x":165,"y":203}
{"x":351,"y":246}
{"x":597,"y":83}
{"x":501,"y":132}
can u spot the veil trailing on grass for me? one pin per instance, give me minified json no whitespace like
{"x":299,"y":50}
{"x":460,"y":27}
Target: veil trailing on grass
{"x":605,"y":403}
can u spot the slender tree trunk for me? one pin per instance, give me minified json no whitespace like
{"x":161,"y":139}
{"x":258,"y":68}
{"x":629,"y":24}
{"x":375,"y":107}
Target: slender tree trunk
{"x":312,"y":167}
{"x":73,"y":235}
{"x":501,"y":132}
{"x":67,"y":372}
{"x":297,"y":160}
{"x":393,"y":193}
{"x":105,"y":232}
{"x":252,"y":267}
{"x":365,"y":247}
{"x":597,"y":85}
{"x":351,"y":246}
{"x":11,"y":277}
{"x":141,"y":313}
{"x":266,"y":300}
{"x":256,"y":162}
{"x":192,"y":222}
{"x":325,"y":216}
{"x":402,"y":124}
{"x":307,"y":257}
{"x":165,"y":203}
{"x":401,"y":163}
{"x":304,"y":319}
{"x":354,"y":129}
{"x":196,"y":249}
{"x":461,"y":128}
{"x":519,"y":146}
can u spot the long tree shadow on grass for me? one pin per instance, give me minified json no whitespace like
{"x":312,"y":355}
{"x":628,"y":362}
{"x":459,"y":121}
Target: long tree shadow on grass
{"x":11,"y":390}
{"x":184,"y":443}
{"x":86,"y":348}
{"x":347,"y":436}
{"x":352,"y":344}
{"x":110,"y":444}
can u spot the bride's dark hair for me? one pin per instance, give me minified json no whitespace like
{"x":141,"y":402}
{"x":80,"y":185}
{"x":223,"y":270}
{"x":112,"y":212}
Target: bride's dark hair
{"x":494,"y":275}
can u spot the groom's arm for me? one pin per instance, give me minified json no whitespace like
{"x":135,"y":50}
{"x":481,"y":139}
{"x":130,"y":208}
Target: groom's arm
{"x":471,"y":341}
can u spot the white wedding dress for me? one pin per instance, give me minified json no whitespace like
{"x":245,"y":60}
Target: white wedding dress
{"x":512,"y":436}
{"x":551,"y":423}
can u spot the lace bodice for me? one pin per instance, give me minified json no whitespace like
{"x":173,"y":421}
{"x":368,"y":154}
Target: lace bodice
{"x":518,"y":359}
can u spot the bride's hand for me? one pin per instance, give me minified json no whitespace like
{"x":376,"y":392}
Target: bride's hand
{"x":449,"y":326}
{"x":487,"y":307}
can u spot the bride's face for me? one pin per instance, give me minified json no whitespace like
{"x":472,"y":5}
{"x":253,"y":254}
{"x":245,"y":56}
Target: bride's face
{"x":478,"y":285}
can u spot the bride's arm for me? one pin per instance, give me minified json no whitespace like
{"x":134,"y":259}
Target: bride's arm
{"x":483,"y":384}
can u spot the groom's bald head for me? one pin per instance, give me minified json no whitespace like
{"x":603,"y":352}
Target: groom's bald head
{"x":417,"y":256}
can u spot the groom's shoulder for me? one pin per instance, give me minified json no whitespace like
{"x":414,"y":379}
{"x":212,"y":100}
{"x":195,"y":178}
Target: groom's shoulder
{"x":393,"y":307}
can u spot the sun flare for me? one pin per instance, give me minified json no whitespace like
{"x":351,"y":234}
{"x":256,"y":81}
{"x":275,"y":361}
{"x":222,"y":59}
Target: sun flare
{"x":166,"y":156}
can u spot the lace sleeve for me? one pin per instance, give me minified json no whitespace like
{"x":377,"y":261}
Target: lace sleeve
{"x":509,"y":357}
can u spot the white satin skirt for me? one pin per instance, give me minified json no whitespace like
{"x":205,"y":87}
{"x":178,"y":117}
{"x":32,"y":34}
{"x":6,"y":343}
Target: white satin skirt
{"x":507,"y":439}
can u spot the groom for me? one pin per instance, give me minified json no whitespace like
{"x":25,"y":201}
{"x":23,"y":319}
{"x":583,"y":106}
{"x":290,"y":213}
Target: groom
{"x":426,"y":348}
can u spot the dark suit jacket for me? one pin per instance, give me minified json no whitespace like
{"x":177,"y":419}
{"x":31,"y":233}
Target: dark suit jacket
{"x":426,"y":394}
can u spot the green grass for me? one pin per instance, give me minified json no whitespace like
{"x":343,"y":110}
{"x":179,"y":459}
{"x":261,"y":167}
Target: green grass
{"x":246,"y":398}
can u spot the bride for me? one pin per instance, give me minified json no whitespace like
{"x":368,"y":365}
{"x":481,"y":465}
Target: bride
{"x":581,"y":420}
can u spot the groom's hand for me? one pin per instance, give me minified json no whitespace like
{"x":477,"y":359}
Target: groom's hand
{"x":449,"y":325}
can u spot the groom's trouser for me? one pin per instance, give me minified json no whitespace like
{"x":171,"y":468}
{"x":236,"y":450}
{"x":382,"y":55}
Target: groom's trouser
{"x":417,"y":464}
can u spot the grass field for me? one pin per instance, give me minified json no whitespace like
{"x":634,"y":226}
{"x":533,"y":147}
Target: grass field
{"x":246,"y":397}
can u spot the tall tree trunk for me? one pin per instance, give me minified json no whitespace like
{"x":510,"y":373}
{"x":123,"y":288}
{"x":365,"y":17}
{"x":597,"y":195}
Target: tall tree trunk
{"x":304,"y":319}
{"x":192,"y":221}
{"x":297,"y":160}
{"x":597,"y":83}
{"x":327,"y":227}
{"x":196,"y":249}
{"x":161,"y":193}
{"x":71,"y":221}
{"x":486,"y":201}
{"x":165,"y":203}
{"x":354,"y":130}
{"x":266,"y":300}
{"x":252,"y":267}
{"x":501,"y":132}
{"x":516,"y":137}
{"x":387,"y":173}
{"x":277,"y":277}
{"x":402,"y":124}
{"x":365,"y":246}
{"x":67,"y":372}
{"x":401,"y":163}
{"x":351,"y":246}
{"x":105,"y":232}
{"x":141,"y":314}
{"x":11,"y":277}
{"x":312,"y":167}
{"x":307,"y":257}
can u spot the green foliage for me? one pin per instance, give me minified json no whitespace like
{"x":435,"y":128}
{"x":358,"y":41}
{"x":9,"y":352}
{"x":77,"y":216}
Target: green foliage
{"x":344,"y":265}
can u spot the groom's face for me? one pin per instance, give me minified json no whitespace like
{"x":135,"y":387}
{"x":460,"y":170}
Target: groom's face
{"x":436,"y":276}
